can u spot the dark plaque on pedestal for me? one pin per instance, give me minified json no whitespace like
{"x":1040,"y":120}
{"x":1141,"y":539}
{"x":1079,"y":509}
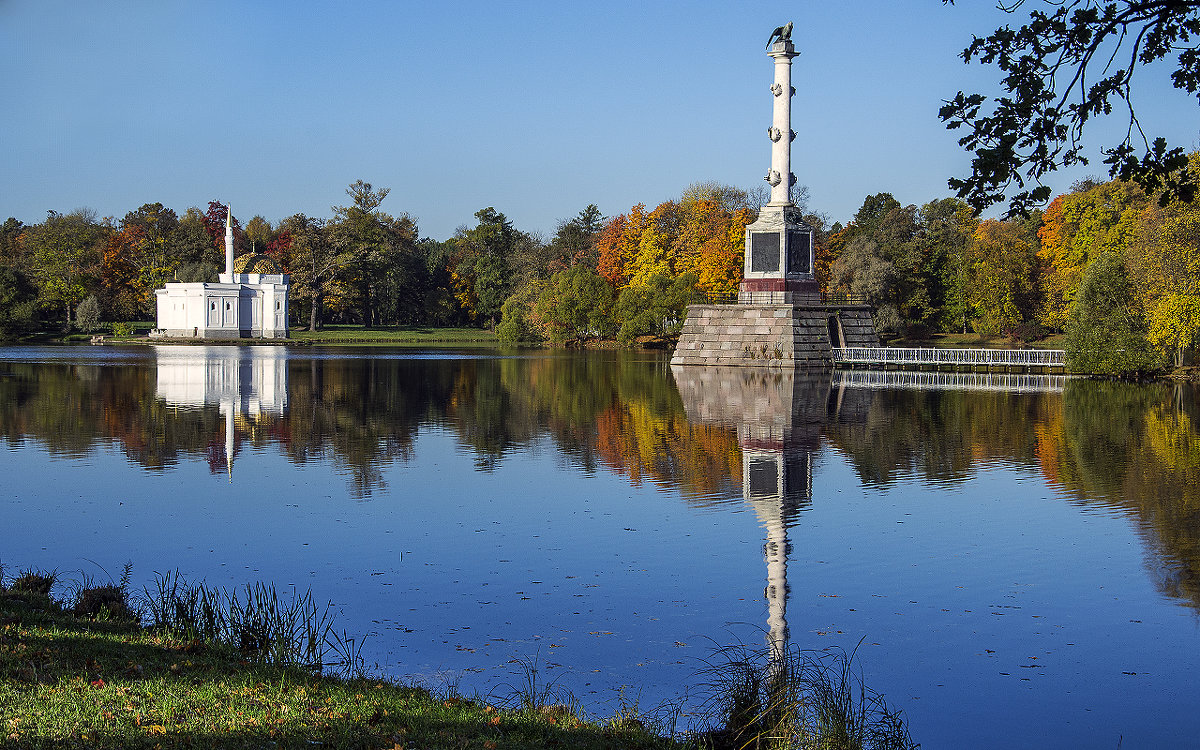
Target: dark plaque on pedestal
{"x":764,"y":252}
{"x":799,"y":252}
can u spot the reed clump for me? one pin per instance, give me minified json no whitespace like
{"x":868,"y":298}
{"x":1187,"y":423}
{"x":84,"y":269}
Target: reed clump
{"x":769,"y":699}
{"x":263,"y":625}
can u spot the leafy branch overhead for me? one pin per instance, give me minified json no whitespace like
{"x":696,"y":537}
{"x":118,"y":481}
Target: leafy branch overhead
{"x":1072,"y":61}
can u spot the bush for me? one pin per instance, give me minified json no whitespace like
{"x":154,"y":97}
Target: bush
{"x":515,"y":316}
{"x":1026,"y":332}
{"x":122,"y":329}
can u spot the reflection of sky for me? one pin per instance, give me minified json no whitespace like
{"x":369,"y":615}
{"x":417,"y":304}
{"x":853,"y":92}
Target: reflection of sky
{"x":991,"y":610}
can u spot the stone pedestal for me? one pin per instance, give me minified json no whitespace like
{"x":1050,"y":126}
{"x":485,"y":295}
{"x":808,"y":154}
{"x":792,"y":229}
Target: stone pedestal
{"x":771,"y":335}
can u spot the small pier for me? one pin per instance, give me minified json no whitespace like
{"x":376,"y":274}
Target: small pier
{"x":972,"y":360}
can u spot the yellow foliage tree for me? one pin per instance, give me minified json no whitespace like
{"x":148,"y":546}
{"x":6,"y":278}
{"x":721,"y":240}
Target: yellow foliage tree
{"x":1077,"y":228}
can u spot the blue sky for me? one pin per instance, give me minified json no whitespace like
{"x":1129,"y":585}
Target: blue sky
{"x":535,"y":108}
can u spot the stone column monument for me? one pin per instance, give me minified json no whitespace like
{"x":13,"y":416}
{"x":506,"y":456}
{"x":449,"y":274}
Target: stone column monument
{"x":779,"y":247}
{"x":780,"y":319}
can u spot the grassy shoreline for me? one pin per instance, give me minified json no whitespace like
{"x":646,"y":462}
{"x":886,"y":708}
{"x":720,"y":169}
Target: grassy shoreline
{"x":71,"y":680}
{"x":187,"y":666}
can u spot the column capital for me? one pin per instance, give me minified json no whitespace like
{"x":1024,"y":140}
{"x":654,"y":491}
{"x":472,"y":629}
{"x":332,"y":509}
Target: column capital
{"x":783,"y":51}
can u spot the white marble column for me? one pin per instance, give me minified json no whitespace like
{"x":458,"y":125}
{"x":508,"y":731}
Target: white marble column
{"x":781,"y":125}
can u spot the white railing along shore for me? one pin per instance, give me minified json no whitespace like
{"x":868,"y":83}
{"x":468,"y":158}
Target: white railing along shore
{"x":887,"y":355}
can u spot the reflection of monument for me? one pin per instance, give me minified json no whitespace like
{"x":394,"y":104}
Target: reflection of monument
{"x":779,"y":319}
{"x":250,"y":300}
{"x":245,"y":383}
{"x":779,"y":416}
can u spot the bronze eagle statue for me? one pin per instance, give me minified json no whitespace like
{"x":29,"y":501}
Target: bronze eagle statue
{"x":783,"y":33}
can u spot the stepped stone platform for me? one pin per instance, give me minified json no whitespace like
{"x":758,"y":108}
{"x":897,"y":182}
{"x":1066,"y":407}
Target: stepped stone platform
{"x":800,"y":336}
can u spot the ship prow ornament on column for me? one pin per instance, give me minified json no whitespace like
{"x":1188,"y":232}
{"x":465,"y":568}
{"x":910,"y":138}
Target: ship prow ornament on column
{"x":779,"y":319}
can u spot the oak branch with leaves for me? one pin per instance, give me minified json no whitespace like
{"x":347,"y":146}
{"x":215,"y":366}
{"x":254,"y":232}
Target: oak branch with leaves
{"x":1072,"y":60}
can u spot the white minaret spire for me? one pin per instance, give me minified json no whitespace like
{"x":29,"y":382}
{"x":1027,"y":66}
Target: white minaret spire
{"x":229,"y":241}
{"x":780,"y":177}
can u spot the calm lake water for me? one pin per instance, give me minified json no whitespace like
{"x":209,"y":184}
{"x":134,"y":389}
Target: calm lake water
{"x":1019,"y":557}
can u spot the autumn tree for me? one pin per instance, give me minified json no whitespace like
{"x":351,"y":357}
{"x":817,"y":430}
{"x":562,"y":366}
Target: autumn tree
{"x":1002,"y":273}
{"x":1164,"y":261}
{"x":702,"y":234}
{"x":1098,"y":218}
{"x":144,"y":247}
{"x":214,"y":224}
{"x":1069,"y":63}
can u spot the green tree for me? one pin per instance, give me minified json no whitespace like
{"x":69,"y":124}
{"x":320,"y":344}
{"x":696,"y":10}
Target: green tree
{"x":517,"y":319}
{"x":64,"y":252}
{"x":885,"y":260}
{"x":1068,"y":64}
{"x":574,"y":240}
{"x":372,"y":240}
{"x":317,"y":264}
{"x":18,"y":302}
{"x":576,"y":304}
{"x":480,"y":267}
{"x":947,"y":226}
{"x":191,"y":247}
{"x":656,"y":308}
{"x":1106,"y":330}
{"x":87,"y":314}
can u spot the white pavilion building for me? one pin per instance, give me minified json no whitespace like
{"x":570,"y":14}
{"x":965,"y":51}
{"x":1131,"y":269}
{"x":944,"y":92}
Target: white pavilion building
{"x":249,"y":300}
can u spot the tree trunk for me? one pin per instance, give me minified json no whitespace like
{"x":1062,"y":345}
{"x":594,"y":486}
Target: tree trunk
{"x":314,"y":313}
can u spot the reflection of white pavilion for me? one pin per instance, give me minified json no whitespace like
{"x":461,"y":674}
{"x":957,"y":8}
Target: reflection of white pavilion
{"x":241,"y":381}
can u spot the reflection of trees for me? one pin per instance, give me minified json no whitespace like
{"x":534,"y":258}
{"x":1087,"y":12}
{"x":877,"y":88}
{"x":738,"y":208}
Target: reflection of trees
{"x":362,"y":413}
{"x":75,"y":409}
{"x":1133,"y":448}
{"x":359,"y":414}
{"x":940,"y":435}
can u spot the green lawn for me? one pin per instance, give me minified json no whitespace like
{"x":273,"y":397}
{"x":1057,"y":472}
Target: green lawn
{"x":352,"y":334}
{"x":68,"y":681}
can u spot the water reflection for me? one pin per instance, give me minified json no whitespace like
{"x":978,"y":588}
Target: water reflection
{"x":475,"y":508}
{"x":713,"y":439}
{"x":247,"y":385}
{"x":779,"y":418}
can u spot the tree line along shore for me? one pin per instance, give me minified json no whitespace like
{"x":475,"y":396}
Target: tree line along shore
{"x":1111,"y":269}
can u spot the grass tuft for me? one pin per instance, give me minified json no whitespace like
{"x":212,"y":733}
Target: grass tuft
{"x":795,"y":699}
{"x":260,"y":623}
{"x":36,"y":582}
